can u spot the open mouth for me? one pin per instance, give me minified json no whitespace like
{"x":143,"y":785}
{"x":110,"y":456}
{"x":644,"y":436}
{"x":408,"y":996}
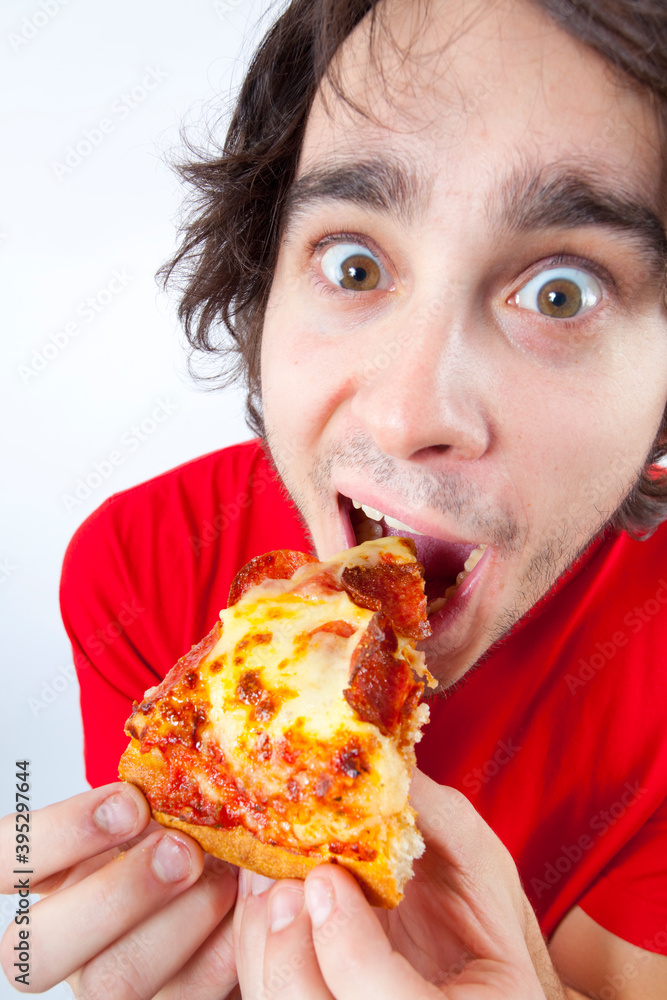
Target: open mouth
{"x":446,"y":563}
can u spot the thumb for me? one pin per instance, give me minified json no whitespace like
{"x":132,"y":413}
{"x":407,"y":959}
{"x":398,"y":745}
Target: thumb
{"x":447,"y":820}
{"x":354,"y":954}
{"x":464,"y":854}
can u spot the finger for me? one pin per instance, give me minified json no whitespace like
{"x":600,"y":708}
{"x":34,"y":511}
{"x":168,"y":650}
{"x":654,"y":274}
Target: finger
{"x":70,"y":876}
{"x":71,"y":926}
{"x":211,"y":972}
{"x":156,"y":953}
{"x":354,"y":955}
{"x":291,"y":971}
{"x":250,"y":931}
{"x":63,"y":834}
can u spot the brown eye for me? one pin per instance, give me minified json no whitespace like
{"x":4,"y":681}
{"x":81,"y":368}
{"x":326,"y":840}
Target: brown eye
{"x":360,"y":272}
{"x":350,"y":266}
{"x":560,"y":297}
{"x":559,"y":293}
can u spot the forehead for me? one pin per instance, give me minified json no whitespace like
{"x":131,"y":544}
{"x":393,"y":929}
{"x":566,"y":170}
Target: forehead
{"x":467,"y":96}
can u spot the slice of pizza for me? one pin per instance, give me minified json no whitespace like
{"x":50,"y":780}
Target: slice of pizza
{"x":285,"y":738}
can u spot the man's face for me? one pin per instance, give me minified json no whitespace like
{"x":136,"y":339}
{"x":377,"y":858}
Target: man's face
{"x":466,"y":330}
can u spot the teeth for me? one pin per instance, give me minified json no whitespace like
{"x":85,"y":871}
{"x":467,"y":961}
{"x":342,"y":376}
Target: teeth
{"x":468,"y":566}
{"x":393,"y":522}
{"x":377,"y":515}
{"x":474,"y":557}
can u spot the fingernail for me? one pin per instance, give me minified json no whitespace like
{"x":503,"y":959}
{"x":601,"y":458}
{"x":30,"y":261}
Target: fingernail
{"x":319,"y":900}
{"x":260,"y":883}
{"x":117,"y":814}
{"x":251,"y":882}
{"x":284,"y":905}
{"x":171,"y":860}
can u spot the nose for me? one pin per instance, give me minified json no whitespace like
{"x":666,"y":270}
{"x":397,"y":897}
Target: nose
{"x":418,"y":389}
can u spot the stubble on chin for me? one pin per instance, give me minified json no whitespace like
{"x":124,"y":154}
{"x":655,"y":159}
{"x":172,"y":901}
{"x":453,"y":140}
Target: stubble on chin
{"x":554,"y":559}
{"x":545,"y":569}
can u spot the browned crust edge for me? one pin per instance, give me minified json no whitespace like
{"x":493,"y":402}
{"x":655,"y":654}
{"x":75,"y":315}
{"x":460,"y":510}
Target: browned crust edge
{"x":239,"y":847}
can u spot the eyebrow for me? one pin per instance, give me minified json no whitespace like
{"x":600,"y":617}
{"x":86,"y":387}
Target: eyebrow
{"x":559,"y":196}
{"x":566,"y":197}
{"x":382,"y":184}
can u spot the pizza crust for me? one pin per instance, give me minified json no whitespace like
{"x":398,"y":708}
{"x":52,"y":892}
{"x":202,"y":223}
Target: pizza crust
{"x":239,"y":847}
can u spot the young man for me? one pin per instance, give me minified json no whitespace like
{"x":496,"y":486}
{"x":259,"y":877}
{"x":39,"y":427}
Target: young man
{"x":460,"y":297}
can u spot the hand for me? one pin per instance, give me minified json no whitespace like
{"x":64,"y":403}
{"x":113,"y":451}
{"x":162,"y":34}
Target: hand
{"x":465,"y":929}
{"x":131,"y":909}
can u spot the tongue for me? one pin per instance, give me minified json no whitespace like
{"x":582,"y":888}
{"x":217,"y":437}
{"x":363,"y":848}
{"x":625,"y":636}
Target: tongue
{"x":442,"y":561}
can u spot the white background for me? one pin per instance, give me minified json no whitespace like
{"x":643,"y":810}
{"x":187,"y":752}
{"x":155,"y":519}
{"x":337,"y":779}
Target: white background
{"x":64,"y":231}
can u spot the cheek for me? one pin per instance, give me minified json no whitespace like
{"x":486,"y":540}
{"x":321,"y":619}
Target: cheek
{"x":587,"y":447}
{"x":280,"y":377}
{"x":306,"y":375}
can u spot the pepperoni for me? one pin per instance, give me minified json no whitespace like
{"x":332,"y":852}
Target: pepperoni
{"x":280,"y":564}
{"x":395,"y":589}
{"x":322,"y":583}
{"x":380,"y":685}
{"x":338,"y":627}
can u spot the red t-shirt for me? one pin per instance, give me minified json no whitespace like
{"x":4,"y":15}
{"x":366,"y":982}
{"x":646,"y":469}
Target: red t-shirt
{"x":559,"y":737}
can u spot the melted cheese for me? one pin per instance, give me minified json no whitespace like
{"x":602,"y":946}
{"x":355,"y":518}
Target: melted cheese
{"x":274,"y":641}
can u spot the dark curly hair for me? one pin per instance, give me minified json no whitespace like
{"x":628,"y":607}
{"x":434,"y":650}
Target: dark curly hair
{"x":230,"y":238}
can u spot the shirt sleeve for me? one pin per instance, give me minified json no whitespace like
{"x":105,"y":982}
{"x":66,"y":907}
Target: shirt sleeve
{"x":629,"y":898}
{"x":103,"y":614}
{"x":134,"y":598}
